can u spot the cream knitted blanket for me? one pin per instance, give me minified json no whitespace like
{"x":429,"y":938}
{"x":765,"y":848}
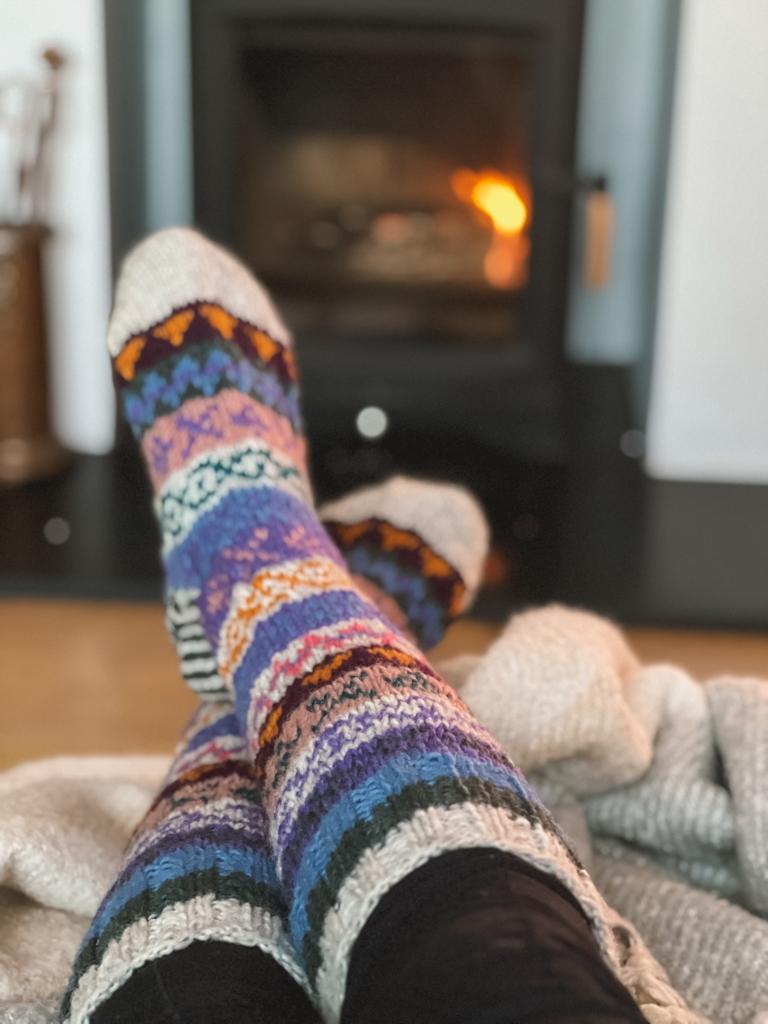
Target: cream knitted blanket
{"x":661,"y":782}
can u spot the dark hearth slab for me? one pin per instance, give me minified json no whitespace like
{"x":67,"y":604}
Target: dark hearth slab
{"x":595,"y":532}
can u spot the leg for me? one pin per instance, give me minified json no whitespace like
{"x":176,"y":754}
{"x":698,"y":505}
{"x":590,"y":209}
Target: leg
{"x":208,"y":982}
{"x":510,"y":947}
{"x":372,"y":769}
{"x":195,"y":918}
{"x":421,"y":544}
{"x":416,"y":549}
{"x":404,"y":560}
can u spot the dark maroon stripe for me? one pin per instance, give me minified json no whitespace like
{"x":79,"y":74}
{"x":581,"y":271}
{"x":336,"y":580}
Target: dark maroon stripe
{"x":203,"y":773}
{"x":200,"y":330}
{"x":299,"y":692}
{"x":442,"y":587}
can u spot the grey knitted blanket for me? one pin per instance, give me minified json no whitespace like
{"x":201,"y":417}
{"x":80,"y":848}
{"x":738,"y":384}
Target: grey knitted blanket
{"x":662,"y":783}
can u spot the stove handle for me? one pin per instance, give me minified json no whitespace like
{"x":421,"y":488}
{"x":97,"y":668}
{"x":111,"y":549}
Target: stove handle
{"x":598,"y":216}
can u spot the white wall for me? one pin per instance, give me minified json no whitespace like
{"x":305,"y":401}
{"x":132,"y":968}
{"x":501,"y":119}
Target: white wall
{"x":78,"y":264}
{"x":709,"y":396}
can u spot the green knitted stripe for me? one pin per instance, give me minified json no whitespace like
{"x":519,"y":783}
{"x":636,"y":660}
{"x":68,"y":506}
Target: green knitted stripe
{"x":151,"y":903}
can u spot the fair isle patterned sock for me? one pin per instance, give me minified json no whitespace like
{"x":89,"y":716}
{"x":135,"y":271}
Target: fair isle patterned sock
{"x":198,"y":869}
{"x":416,"y":547}
{"x":370,"y":766}
{"x":420,"y":544}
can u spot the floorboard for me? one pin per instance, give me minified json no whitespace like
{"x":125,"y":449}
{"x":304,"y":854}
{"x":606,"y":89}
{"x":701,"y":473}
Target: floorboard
{"x":84,"y":677}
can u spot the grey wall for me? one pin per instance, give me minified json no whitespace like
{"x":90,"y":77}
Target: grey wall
{"x":150,"y":117}
{"x":709,"y":416}
{"x":627,"y":84}
{"x":169,"y":116}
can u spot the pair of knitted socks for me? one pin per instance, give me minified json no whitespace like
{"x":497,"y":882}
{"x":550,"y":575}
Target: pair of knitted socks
{"x":335,"y":815}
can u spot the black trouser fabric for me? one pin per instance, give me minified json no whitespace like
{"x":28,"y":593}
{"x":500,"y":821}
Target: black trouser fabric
{"x":472,"y":937}
{"x":479,"y":937}
{"x":209,"y":983}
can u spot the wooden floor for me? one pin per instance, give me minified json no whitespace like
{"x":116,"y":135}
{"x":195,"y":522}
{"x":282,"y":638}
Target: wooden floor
{"x":82,"y":677}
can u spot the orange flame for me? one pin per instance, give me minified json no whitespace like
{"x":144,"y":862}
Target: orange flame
{"x":497,"y":197}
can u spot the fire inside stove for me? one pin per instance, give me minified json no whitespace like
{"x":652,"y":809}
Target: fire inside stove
{"x":388,"y":190}
{"x":501,"y":202}
{"x":484,"y":240}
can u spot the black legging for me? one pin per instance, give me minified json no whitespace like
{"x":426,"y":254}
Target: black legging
{"x":511,"y":947}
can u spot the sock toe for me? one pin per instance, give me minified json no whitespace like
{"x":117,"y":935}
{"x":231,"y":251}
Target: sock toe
{"x":447,"y":518}
{"x":178,"y":267}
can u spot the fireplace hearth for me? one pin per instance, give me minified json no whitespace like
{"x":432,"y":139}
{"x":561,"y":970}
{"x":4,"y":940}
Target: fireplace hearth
{"x":401,"y":176}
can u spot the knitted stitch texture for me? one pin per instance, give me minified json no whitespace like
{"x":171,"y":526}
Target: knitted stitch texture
{"x":409,"y":574}
{"x":557,"y":659}
{"x":369,"y":764}
{"x":715,"y":952}
{"x":198,"y":868}
{"x":416,"y":548}
{"x":421,"y":543}
{"x":391,"y":554}
{"x":63,"y":826}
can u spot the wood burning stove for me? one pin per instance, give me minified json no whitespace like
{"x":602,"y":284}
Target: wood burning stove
{"x":356,"y":191}
{"x":400,"y":173}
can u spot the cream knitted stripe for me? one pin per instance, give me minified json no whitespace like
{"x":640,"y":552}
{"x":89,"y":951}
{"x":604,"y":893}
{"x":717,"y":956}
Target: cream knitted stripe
{"x":194,"y":491}
{"x":427,"y":834}
{"x":199,"y":919}
{"x":170,"y":816}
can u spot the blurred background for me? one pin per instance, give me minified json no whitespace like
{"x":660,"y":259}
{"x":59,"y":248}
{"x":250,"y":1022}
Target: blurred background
{"x":519,"y":243}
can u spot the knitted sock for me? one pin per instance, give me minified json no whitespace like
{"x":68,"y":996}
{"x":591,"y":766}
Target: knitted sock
{"x":198,"y":871}
{"x":414,"y":542}
{"x":417,"y":549}
{"x":370,"y":765}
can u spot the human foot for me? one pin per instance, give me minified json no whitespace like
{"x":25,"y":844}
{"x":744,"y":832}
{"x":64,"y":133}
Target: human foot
{"x":199,"y":874}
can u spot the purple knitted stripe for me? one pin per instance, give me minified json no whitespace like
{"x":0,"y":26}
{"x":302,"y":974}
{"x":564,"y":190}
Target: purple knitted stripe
{"x":223,"y":728}
{"x":363,"y":762}
{"x":253,"y":830}
{"x":357,"y":693}
{"x":235,"y":539}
